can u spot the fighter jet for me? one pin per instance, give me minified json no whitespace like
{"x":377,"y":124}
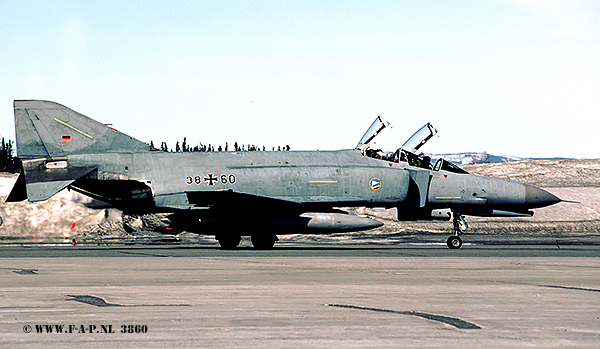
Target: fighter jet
{"x":257,"y":194}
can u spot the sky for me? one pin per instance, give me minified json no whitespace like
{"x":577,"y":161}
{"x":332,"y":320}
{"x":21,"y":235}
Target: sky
{"x":509,"y":77}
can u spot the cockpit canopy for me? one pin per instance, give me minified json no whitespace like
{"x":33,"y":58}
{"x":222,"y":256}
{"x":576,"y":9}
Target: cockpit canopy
{"x":377,"y":126}
{"x":409,"y":152}
{"x":445,"y":165}
{"x":411,"y":146}
{"x":419,"y":138}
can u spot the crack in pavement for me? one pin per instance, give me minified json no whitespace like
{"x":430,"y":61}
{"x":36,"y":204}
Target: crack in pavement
{"x":456,"y":322}
{"x":21,"y":271}
{"x":571,"y":288}
{"x":99,"y":302}
{"x":575,"y":288}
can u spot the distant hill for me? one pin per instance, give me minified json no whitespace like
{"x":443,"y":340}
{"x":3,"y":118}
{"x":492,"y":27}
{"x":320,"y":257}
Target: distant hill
{"x":469,"y":158}
{"x":544,"y":173}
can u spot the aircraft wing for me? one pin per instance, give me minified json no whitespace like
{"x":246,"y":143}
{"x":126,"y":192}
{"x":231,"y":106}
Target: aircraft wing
{"x":236,"y":201}
{"x":241,"y":212}
{"x":229,"y":199}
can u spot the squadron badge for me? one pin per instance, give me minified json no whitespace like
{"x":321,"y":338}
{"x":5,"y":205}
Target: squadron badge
{"x":375,"y":184}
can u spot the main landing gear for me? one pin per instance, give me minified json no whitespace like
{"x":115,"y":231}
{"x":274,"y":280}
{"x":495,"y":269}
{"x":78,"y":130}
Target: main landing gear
{"x":460,"y":226}
{"x":228,"y":242}
{"x":260,"y":242}
{"x":263,"y":242}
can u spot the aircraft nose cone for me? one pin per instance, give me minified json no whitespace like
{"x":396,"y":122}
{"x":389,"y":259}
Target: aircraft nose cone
{"x":536,"y":197}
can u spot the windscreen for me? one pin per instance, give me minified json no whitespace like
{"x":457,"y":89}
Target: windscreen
{"x":443,"y":165}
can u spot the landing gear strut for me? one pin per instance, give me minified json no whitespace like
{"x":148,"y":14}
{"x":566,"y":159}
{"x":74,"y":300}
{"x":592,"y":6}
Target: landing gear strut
{"x":460,"y":226}
{"x":260,"y":242}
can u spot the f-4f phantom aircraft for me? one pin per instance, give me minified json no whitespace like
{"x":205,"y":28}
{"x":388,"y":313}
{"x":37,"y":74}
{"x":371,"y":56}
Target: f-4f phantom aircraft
{"x":256,"y":194}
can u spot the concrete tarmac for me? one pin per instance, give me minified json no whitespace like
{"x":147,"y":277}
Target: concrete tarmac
{"x":300,"y":296}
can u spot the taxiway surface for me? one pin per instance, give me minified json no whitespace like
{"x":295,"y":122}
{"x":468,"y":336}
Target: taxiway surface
{"x":300,"y":296}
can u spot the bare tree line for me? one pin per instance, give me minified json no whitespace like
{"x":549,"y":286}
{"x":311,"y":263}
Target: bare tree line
{"x":7,"y":160}
{"x":10,"y":163}
{"x":185,"y":147}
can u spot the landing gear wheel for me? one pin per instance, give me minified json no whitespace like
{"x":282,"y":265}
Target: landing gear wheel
{"x":229,"y":242}
{"x":454,"y":242}
{"x":460,"y":226}
{"x":263,"y":242}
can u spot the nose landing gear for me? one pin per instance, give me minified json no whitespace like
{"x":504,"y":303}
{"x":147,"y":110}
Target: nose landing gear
{"x":460,"y":226}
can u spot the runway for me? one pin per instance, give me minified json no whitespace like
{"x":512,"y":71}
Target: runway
{"x":300,"y":296}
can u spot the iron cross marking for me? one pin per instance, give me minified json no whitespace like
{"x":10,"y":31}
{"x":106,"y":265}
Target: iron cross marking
{"x":210,"y":179}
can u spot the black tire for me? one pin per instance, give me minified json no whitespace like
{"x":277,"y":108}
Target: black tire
{"x":454,"y":242}
{"x":229,"y":242}
{"x":263,"y":242}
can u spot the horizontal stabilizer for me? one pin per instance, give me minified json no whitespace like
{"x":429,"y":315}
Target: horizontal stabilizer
{"x":41,"y":191}
{"x":40,"y":180}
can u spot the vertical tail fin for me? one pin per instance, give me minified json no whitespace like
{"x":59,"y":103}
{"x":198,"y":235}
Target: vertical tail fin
{"x":48,"y":129}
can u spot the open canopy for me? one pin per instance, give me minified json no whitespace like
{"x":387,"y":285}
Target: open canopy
{"x":412,"y":145}
{"x":419,"y":138}
{"x":377,"y":126}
